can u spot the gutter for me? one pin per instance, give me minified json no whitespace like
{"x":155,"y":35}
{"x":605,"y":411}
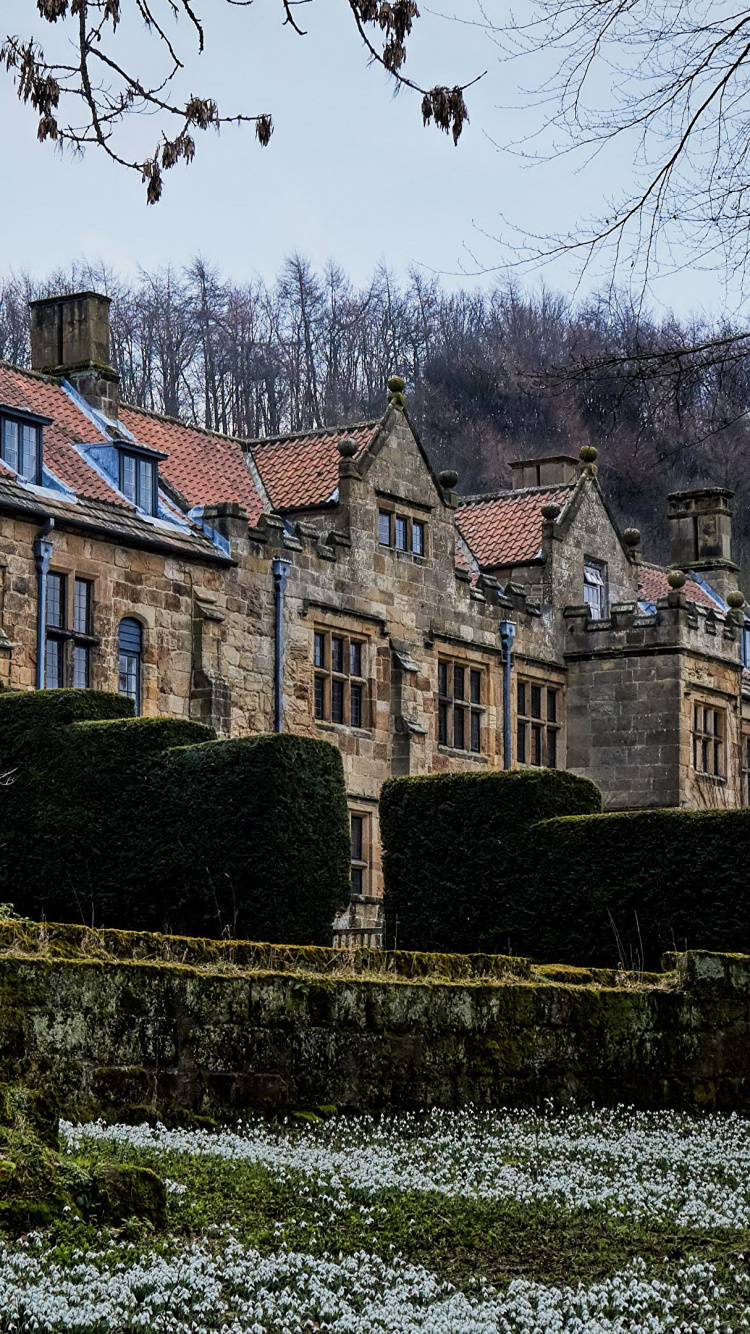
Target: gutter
{"x":42,"y":558}
{"x":280,"y":570}
{"x":123,"y":536}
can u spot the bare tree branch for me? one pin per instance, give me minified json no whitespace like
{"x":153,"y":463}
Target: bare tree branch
{"x":108,"y":93}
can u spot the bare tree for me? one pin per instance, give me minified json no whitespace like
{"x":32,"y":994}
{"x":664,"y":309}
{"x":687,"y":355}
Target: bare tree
{"x":103,"y":91}
{"x":492,"y":375}
{"x":670,"y":78}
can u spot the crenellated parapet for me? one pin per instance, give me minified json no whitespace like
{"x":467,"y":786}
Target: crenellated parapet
{"x":676,"y":625}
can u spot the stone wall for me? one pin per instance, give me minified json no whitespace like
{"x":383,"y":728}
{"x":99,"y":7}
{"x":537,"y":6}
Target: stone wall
{"x":127,"y":1025}
{"x":633,"y":683}
{"x":624,"y":688}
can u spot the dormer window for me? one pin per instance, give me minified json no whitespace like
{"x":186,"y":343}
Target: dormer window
{"x":21,"y":442}
{"x":139,"y":480}
{"x":595,"y":588}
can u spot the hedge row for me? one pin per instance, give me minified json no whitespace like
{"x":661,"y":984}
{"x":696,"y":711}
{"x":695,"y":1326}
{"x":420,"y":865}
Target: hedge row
{"x":456,"y":854}
{"x":627,"y":887}
{"x":152,"y":824}
{"x":505,"y":862}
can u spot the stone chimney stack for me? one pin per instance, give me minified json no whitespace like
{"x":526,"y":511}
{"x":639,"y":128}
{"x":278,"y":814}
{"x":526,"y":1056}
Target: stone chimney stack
{"x":70,"y":337}
{"x":554,"y":470}
{"x":701,"y":525}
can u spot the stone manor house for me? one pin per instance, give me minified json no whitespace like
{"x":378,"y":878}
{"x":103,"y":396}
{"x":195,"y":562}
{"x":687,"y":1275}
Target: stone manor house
{"x":330,"y":583}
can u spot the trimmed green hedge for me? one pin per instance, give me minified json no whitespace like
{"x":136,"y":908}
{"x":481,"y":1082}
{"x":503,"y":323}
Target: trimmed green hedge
{"x":456,"y":850}
{"x":254,"y":839}
{"x":152,"y":824}
{"x":625,"y":888}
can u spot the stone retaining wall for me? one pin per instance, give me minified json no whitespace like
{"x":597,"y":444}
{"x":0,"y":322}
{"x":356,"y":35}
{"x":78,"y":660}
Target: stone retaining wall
{"x":236,"y":1028}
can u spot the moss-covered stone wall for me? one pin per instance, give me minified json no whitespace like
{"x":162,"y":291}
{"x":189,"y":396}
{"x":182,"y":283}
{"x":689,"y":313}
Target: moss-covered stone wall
{"x":130,"y":1025}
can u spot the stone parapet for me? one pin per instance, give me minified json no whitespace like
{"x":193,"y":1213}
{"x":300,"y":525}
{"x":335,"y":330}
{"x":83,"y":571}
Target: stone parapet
{"x":676,"y":625}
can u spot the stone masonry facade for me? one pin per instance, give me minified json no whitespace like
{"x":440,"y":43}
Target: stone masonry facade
{"x":331,"y":584}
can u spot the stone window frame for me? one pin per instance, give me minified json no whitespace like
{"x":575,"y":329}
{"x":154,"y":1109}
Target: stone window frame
{"x":69,"y":638}
{"x":708,"y":741}
{"x":331,"y":684}
{"x":130,"y":654}
{"x":361,"y":845}
{"x":470,"y":707}
{"x":538,"y":733}
{"x":745,"y":765}
{"x":596,"y":575}
{"x":394,"y":516}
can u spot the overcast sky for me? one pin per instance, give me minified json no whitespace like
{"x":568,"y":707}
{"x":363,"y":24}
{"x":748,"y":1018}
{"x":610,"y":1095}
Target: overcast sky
{"x":350,"y":174}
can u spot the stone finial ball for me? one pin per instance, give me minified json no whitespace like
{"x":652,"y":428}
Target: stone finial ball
{"x":735,"y":599}
{"x":587,"y":454}
{"x":550,"y":510}
{"x":676,"y":579}
{"x":632,"y":537}
{"x":347,"y":447}
{"x":397,"y":384}
{"x":448,"y":479}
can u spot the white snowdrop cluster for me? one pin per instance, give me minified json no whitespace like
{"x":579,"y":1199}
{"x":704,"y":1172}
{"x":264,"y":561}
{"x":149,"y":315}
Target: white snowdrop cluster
{"x":236,"y":1291}
{"x":695,"y":1172}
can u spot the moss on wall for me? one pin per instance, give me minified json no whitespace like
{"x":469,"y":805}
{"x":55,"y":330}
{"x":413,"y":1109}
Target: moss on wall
{"x":137,"y":1038}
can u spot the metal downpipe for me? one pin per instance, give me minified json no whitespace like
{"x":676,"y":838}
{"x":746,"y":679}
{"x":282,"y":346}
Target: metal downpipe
{"x":280,"y":576}
{"x":507,"y":635}
{"x":42,"y":558}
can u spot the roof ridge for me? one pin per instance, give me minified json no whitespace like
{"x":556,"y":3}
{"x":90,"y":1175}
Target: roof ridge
{"x":313,"y":430}
{"x":514,"y":491}
{"x":32,"y":375}
{"x":186,"y":426}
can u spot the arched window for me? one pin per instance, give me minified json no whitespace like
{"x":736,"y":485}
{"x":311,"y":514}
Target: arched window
{"x":131,"y":649}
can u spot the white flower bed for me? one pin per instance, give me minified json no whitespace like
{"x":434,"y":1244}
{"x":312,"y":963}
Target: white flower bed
{"x":236,"y":1291}
{"x":693,"y":1172}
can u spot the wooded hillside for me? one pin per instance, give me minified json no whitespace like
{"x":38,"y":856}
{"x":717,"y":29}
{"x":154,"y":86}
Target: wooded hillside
{"x":491,"y":375}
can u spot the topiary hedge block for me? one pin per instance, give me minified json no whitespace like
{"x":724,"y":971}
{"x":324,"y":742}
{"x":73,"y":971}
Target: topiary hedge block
{"x":625,"y":888}
{"x":152,"y":824}
{"x":254,"y":839}
{"x":75,"y":815}
{"x":456,"y":854}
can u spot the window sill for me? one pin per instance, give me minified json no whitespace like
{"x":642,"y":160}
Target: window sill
{"x":88,"y":641}
{"x":463,"y":754}
{"x":411,"y":555}
{"x":342,"y":727}
{"x":710,"y":778}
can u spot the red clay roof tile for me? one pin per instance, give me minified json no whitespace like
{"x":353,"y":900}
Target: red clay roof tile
{"x":23,"y":389}
{"x":652,"y":584}
{"x":302,"y":471}
{"x":506,"y":529}
{"x":204,"y":466}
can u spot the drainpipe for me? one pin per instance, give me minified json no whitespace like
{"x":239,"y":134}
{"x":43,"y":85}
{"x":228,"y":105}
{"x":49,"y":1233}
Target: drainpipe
{"x":280,"y":575}
{"x":42,"y":558}
{"x":507,"y":635}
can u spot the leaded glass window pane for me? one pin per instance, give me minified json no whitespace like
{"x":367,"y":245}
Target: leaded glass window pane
{"x":82,"y":607}
{"x":53,"y":664}
{"x":56,"y":601}
{"x":29,"y":461}
{"x":81,"y":666}
{"x":10,"y":443}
